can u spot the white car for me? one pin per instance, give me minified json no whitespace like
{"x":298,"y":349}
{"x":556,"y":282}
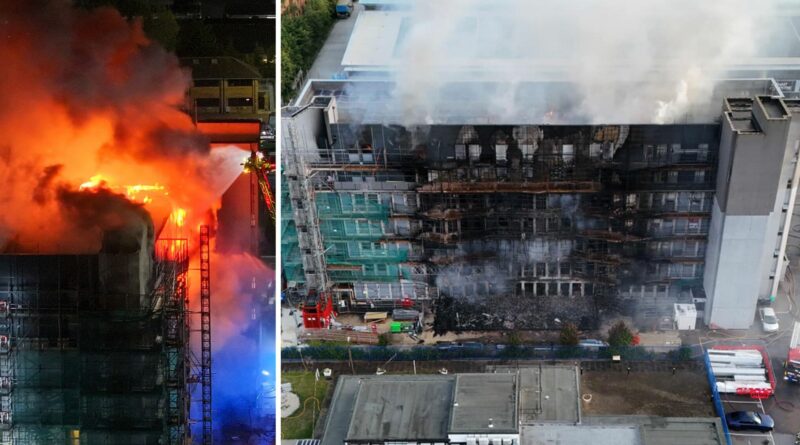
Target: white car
{"x":592,"y":343}
{"x":769,"y":321}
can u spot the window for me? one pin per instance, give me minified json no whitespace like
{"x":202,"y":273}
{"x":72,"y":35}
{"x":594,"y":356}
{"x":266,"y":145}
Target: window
{"x":461,"y":151}
{"x":672,"y":177}
{"x":240,"y":101}
{"x":552,"y":224}
{"x":699,"y":177}
{"x":474,"y":152}
{"x":595,"y":150}
{"x":631,"y":200}
{"x":262,"y":102}
{"x":669,"y":201}
{"x":240,"y":82}
{"x":541,"y":202}
{"x":564,"y":269}
{"x":207,"y":102}
{"x":702,"y":152}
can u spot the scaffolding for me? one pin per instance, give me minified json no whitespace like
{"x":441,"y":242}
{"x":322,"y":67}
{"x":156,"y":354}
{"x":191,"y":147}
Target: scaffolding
{"x":85,"y":356}
{"x":205,"y":332}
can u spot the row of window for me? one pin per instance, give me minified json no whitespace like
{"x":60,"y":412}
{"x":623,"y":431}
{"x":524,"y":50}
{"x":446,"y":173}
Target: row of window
{"x":677,"y":248}
{"x":229,"y":82}
{"x":685,"y":201}
{"x":214,"y":102}
{"x":677,"y":226}
{"x":555,"y":288}
{"x":673,"y":152}
{"x":676,"y":177}
{"x":644,"y":290}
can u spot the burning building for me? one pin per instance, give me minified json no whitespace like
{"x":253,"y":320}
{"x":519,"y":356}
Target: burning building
{"x":528,"y":223}
{"x":111,"y":191}
{"x":520,"y":166}
{"x":95,"y":346}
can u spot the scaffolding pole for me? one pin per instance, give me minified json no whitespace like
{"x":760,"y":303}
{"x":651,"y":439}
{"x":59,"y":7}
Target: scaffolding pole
{"x":205,"y":333}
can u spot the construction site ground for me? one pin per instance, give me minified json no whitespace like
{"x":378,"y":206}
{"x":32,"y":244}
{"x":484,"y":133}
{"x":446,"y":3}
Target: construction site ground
{"x":649,"y":389}
{"x":495,"y":337}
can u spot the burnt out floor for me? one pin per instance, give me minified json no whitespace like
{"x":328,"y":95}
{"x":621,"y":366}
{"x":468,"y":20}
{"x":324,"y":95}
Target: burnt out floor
{"x":515,"y":312}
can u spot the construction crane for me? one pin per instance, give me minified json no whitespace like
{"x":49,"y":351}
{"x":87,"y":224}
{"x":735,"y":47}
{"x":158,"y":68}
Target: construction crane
{"x":262,"y":167}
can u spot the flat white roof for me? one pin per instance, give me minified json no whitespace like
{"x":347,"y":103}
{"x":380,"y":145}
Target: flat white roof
{"x":376,"y":42}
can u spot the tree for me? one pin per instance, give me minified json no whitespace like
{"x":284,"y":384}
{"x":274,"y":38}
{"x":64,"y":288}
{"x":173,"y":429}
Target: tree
{"x":162,"y":27}
{"x":196,"y":39}
{"x":569,"y":335}
{"x":620,"y":335}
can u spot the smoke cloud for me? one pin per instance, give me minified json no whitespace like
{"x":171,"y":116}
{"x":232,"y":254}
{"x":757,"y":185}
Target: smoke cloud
{"x":243,"y":343}
{"x":85,"y":94}
{"x":604,"y":61}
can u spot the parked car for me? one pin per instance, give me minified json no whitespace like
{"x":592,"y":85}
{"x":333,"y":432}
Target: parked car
{"x":749,"y":420}
{"x":446,"y":345}
{"x":472,"y":345}
{"x":592,"y":343}
{"x":769,"y":321}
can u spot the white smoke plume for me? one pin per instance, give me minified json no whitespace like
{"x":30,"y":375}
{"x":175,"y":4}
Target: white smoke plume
{"x":605,"y":61}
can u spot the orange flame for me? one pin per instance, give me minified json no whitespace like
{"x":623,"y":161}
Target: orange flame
{"x":94,"y":182}
{"x":179,"y":217}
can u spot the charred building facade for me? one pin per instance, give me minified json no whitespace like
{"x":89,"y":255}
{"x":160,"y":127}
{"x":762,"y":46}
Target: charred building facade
{"x":534,"y":224}
{"x":94,"y":347}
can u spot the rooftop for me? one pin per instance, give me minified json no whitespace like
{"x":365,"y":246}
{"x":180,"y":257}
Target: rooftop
{"x":484,"y":403}
{"x":219,"y":68}
{"x":378,"y":38}
{"x":629,"y":430}
{"x":403,"y":408}
{"x":549,"y":394}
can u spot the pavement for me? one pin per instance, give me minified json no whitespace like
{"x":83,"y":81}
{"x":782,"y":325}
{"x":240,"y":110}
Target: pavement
{"x":329,"y":60}
{"x":784,"y":406}
{"x":291,"y":323}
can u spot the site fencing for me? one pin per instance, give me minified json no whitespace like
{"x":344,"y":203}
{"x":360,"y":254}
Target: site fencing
{"x":491,"y":352}
{"x":715,"y":397}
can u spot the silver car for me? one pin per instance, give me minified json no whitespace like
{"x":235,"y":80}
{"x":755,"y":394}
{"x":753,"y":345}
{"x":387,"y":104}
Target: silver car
{"x":769,"y":321}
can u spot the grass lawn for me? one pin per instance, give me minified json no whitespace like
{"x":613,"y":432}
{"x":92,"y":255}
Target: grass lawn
{"x":300,"y":425}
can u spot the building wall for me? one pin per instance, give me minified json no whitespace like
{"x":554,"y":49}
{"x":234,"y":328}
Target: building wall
{"x":567,"y":214}
{"x":756,"y":169}
{"x":227,"y":97}
{"x":733,"y":290}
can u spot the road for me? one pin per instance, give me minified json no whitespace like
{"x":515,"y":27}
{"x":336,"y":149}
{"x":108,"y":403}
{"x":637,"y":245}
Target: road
{"x":329,"y":60}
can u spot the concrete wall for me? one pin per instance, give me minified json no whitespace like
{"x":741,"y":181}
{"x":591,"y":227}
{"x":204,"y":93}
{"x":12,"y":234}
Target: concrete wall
{"x":733,"y":289}
{"x":754,"y":167}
